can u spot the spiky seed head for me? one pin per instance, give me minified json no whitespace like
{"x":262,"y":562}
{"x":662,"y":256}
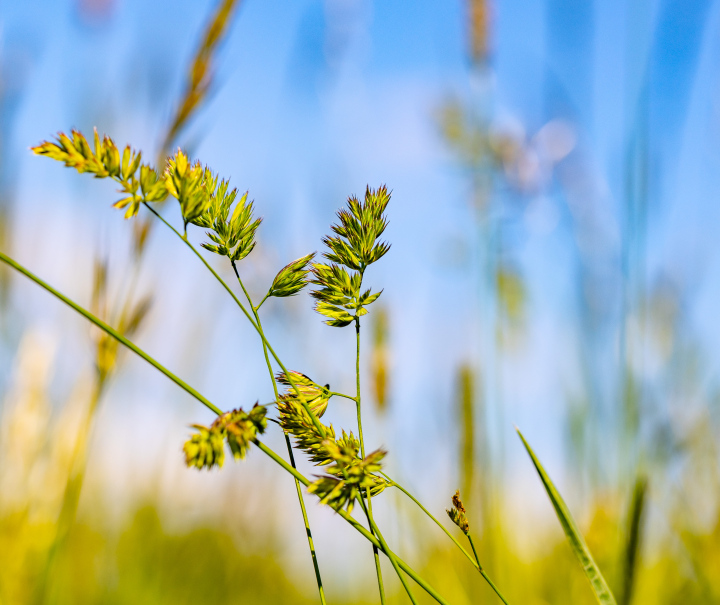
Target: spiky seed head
{"x":241,"y":428}
{"x":152,"y":186}
{"x":295,"y":421}
{"x":292,"y":278}
{"x":354,"y":247}
{"x":355,"y":243}
{"x":103,"y":161}
{"x":191,"y":184}
{"x":348,"y":476}
{"x":457,"y":513}
{"x":457,"y":502}
{"x":339,"y":293}
{"x":231,"y":235}
{"x":315,"y":396}
{"x":205,"y":449}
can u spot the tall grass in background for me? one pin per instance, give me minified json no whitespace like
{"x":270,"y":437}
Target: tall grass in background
{"x":634,"y":524}
{"x":619,"y":440}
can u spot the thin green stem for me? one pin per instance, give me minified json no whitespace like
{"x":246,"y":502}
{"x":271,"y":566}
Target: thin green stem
{"x":334,"y":394}
{"x":429,"y":514}
{"x":261,"y":446}
{"x":313,"y":554}
{"x":111,"y":331}
{"x":306,"y":522}
{"x":267,"y":405}
{"x":259,"y":328}
{"x":318,"y":425}
{"x":362,"y":530}
{"x":475,"y":562}
{"x":378,"y":569}
{"x":388,"y":552}
{"x":482,"y":571}
{"x":260,"y":304}
{"x":202,"y":259}
{"x":376,"y":556}
{"x":357,"y":386}
{"x":378,"y":572}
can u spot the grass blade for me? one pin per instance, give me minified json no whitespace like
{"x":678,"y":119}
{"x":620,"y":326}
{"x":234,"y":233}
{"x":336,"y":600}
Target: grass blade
{"x":634,"y":539}
{"x":577,"y":542}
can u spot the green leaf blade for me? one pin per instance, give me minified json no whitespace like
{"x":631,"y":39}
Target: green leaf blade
{"x":602,"y":591}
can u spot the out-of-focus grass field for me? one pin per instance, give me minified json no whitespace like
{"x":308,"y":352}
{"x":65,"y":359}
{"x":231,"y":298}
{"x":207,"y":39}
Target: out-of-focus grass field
{"x":95,"y":505}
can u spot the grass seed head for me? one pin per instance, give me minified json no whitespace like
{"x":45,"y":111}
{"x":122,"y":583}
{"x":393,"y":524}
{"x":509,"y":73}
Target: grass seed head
{"x":315,"y":396}
{"x":103,"y":161}
{"x":457,"y":513}
{"x":354,"y":247}
{"x":232,"y":235}
{"x":205,"y":449}
{"x":355,"y":243}
{"x":191,"y":184}
{"x":348,"y":475}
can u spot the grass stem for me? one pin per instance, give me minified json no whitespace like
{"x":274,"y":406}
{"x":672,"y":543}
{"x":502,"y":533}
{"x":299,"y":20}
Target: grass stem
{"x":111,"y":331}
{"x":306,"y":522}
{"x":318,"y":425}
{"x":376,"y":557}
{"x":358,"y":526}
{"x":482,"y":572}
{"x":376,"y":530}
{"x":429,"y":514}
{"x":475,"y":561}
{"x":261,"y":446}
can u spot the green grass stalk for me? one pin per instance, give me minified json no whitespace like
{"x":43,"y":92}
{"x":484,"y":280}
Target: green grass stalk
{"x":362,"y":530}
{"x":318,"y":425}
{"x":475,"y":562}
{"x":429,"y":514}
{"x":482,"y":571}
{"x":306,"y":522}
{"x":111,"y":331}
{"x":376,"y":530}
{"x":202,"y":399}
{"x":368,"y":511}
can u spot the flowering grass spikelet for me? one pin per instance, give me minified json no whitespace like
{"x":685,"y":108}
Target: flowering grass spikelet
{"x":231,"y":235}
{"x":348,"y":475}
{"x":241,"y":428}
{"x":205,"y":449}
{"x":355,"y":242}
{"x":152,"y":185}
{"x":191,"y":184}
{"x":104,"y":161}
{"x":295,"y":421}
{"x":292,"y":278}
{"x":457,"y":513}
{"x":354,"y":246}
{"x":315,"y":396}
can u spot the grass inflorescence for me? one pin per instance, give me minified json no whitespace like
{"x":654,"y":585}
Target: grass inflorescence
{"x":349,"y":476}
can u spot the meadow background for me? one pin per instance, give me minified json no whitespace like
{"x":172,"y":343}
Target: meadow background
{"x":554,"y":266}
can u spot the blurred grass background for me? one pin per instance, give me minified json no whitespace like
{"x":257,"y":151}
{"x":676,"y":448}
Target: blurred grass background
{"x":554,"y":265}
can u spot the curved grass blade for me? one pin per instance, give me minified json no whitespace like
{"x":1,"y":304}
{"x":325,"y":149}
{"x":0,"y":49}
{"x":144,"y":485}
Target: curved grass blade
{"x":634,"y":539}
{"x":600,"y":587}
{"x":110,"y":331}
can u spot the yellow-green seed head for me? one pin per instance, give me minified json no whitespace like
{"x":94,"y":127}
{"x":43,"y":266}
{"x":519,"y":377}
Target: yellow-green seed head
{"x":457,"y":513}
